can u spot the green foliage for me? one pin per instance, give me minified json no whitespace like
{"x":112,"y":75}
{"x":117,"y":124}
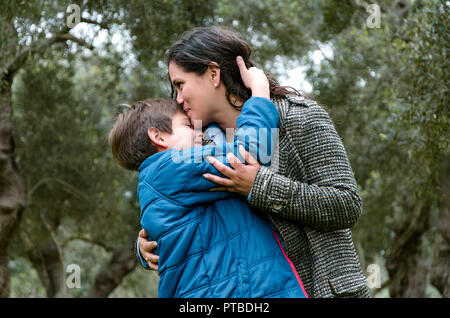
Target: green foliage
{"x":24,"y":280}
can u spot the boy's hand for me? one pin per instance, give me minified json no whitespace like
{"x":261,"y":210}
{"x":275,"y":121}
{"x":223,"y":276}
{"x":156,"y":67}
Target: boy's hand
{"x":254,"y":79}
{"x":146,"y":248}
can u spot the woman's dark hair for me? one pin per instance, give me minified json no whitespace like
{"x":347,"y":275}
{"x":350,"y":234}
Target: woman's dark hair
{"x":200,"y":46}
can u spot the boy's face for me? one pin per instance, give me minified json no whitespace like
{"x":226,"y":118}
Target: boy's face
{"x":183,"y":134}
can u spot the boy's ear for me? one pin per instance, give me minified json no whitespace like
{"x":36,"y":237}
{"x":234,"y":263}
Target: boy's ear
{"x":157,"y":138}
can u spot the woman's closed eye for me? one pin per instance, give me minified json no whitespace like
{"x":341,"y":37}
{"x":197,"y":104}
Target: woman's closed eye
{"x":178,"y":85}
{"x":189,"y":124}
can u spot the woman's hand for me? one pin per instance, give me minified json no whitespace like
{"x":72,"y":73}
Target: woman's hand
{"x":240,"y":177}
{"x":254,"y":79}
{"x":146,"y":248}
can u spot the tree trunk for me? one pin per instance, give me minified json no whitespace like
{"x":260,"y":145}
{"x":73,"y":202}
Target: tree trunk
{"x":47,"y":260}
{"x":122,"y":262}
{"x":406,"y":265}
{"x":440,"y":267}
{"x":12,"y":188}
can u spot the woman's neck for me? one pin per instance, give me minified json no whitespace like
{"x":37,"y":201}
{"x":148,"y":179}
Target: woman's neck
{"x":226,"y":117}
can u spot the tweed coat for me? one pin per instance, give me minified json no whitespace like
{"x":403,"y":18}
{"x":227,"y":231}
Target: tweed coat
{"x":309,"y":193}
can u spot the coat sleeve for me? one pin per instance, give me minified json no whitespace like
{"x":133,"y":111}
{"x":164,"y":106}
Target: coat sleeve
{"x":141,"y":261}
{"x":328,"y":199}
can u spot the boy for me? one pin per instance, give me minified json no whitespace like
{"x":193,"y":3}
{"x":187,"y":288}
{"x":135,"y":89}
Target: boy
{"x":210,"y":243}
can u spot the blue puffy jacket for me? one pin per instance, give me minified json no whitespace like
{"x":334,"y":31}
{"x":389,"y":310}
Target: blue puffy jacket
{"x":212,"y":244}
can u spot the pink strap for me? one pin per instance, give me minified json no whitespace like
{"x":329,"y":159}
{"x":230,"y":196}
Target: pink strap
{"x":292,"y":265}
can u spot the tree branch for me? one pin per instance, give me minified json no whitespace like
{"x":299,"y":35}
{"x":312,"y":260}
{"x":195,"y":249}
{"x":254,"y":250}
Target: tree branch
{"x":69,"y":37}
{"x":121,"y":263}
{"x":90,"y":21}
{"x":323,"y":54}
{"x":87,"y":240}
{"x":66,"y":186}
{"x":17,"y":62}
{"x":401,"y":8}
{"x":383,"y":286}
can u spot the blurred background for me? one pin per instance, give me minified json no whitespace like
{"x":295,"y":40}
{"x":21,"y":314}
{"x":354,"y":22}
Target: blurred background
{"x":69,"y":217}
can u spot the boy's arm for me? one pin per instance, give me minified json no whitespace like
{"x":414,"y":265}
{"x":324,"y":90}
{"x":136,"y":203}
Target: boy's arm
{"x":180,"y":176}
{"x":256,"y":131}
{"x":255,"y":122}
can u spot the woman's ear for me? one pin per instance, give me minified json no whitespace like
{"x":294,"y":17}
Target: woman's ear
{"x":157,"y":138}
{"x":214,"y":73}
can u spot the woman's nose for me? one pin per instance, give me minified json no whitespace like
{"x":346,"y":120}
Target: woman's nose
{"x":179,"y":100}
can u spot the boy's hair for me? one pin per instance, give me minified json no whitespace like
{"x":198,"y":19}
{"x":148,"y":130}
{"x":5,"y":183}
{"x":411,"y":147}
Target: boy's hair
{"x":129,"y":141}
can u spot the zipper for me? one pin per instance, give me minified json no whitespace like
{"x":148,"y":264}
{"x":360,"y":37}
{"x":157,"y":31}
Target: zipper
{"x":291,"y":264}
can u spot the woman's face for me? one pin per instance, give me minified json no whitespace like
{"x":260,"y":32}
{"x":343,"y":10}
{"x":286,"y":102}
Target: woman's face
{"x":195,"y":93}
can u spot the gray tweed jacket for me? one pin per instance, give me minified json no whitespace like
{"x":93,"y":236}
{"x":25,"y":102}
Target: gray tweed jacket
{"x":309,"y":193}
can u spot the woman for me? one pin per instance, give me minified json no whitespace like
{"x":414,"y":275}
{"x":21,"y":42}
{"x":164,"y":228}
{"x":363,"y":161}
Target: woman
{"x":308,"y":193}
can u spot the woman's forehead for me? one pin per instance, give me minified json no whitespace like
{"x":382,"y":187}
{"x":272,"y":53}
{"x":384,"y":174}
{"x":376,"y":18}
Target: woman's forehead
{"x":175,"y":70}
